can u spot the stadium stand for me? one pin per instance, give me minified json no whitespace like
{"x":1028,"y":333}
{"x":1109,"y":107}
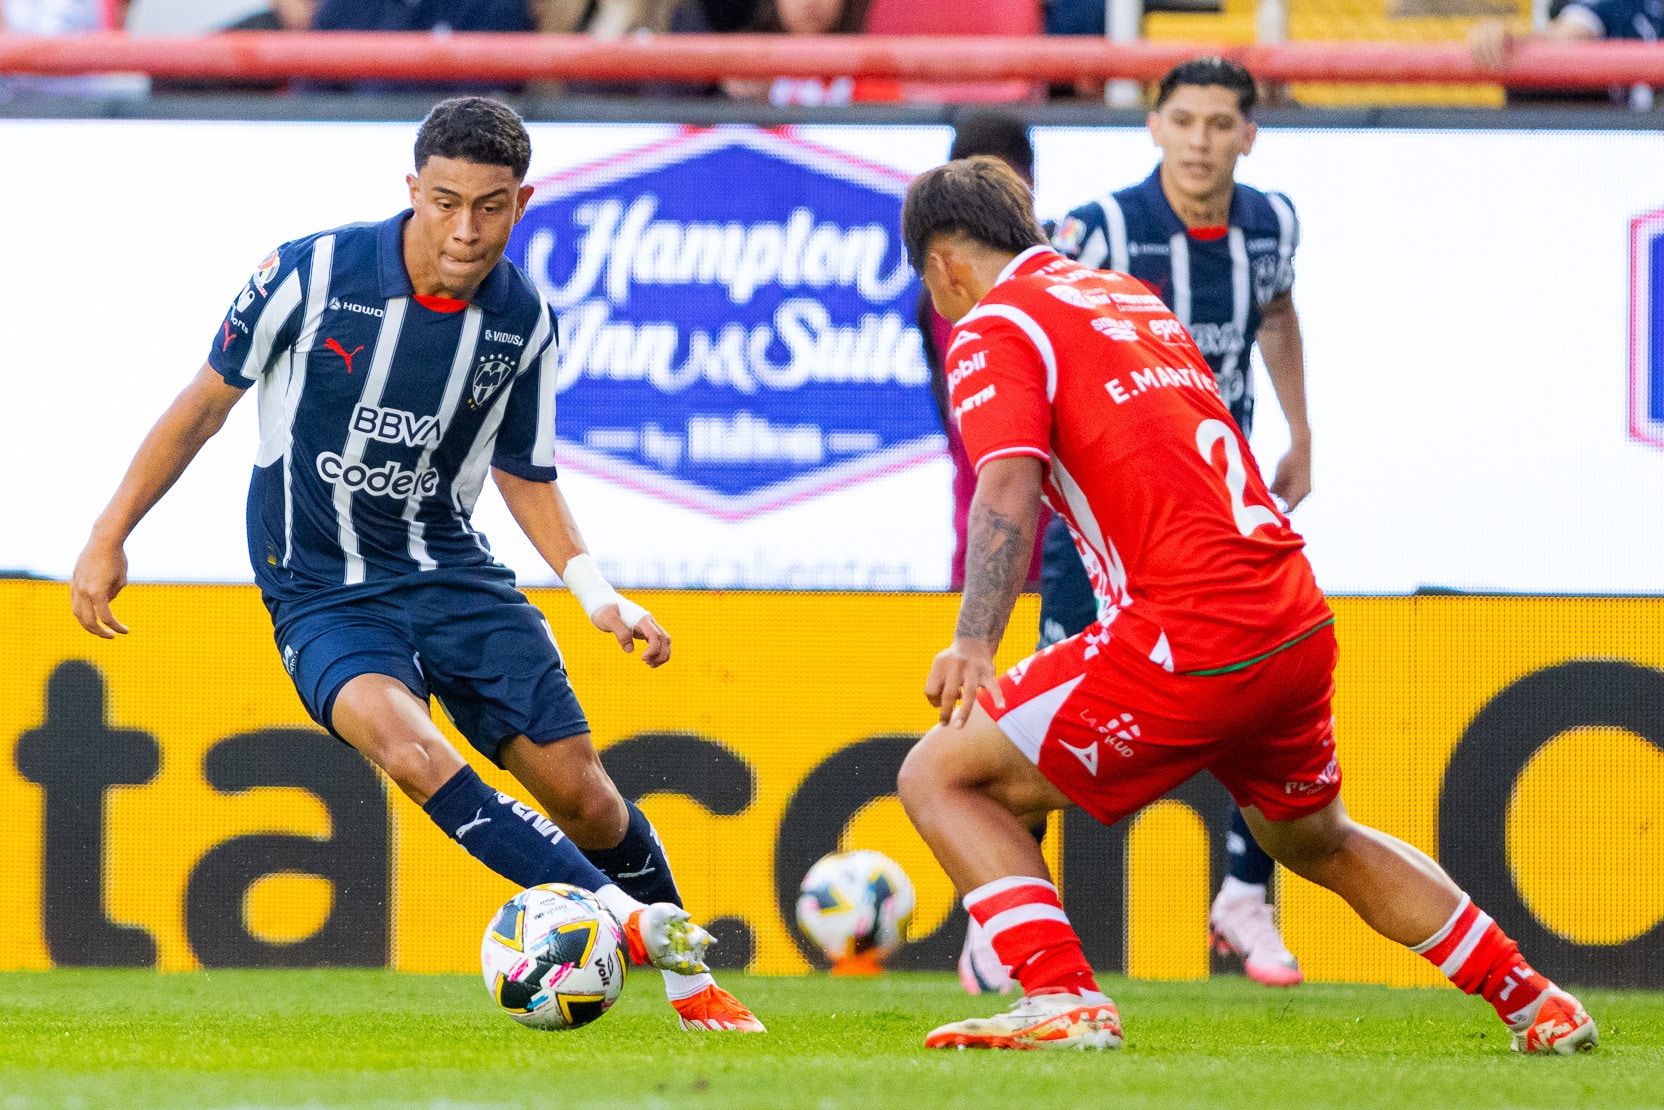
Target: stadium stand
{"x":1347,"y":21}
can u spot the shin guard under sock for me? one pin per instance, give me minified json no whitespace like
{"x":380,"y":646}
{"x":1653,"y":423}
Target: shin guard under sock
{"x":1475,"y":954}
{"x":637,"y":863}
{"x":511,"y":838}
{"x":1025,"y":923}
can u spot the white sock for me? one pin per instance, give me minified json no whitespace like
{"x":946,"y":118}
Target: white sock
{"x":619,"y":904}
{"x":1233,"y":888}
{"x":678,"y":986}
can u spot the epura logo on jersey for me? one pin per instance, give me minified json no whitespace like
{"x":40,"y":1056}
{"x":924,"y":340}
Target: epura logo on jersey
{"x":736,"y":314}
{"x":1646,"y":328}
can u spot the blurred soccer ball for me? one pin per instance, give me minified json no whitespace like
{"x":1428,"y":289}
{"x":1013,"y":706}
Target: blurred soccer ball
{"x":855,"y":907}
{"x":553,"y":957}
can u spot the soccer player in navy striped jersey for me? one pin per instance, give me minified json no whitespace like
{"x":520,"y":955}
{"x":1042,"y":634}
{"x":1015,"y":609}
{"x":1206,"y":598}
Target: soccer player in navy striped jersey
{"x":397,"y":364}
{"x":1221,"y":254}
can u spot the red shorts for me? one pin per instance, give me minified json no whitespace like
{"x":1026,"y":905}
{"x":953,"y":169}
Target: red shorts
{"x":1114,"y":731}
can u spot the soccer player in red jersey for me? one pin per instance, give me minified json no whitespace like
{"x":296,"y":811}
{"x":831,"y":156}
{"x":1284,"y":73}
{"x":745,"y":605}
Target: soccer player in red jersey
{"x":1216,"y":651}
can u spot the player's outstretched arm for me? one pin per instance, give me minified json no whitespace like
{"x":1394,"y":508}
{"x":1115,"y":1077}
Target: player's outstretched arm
{"x":1003,"y":517}
{"x":543,"y":514}
{"x":101,"y":571}
{"x":1285,"y":360}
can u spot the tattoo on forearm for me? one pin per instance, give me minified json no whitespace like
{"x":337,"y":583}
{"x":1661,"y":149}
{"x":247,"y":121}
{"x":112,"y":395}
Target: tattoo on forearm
{"x":996,"y":564}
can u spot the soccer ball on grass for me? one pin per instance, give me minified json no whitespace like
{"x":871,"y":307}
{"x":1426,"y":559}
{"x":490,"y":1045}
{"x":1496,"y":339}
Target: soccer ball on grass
{"x":553,"y":957}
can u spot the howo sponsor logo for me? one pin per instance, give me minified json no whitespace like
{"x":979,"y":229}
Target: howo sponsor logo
{"x":338,"y":305}
{"x":390,"y":479}
{"x":396,"y":426}
{"x":758,"y":340}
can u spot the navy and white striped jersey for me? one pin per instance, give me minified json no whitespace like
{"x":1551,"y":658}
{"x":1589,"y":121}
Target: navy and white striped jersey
{"x":1216,"y":286}
{"x":381,"y":412}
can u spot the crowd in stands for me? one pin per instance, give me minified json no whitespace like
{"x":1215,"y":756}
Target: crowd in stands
{"x":1491,"y":39}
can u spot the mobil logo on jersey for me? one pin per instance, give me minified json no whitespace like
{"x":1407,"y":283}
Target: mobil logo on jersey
{"x":1646,"y":328}
{"x":735,"y":313}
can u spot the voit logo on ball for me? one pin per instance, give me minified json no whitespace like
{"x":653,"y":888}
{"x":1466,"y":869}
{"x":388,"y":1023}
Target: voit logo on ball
{"x":1646,"y":328}
{"x":735,"y":320}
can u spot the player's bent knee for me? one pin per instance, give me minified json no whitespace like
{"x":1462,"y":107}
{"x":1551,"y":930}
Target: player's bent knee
{"x":1310,"y":846}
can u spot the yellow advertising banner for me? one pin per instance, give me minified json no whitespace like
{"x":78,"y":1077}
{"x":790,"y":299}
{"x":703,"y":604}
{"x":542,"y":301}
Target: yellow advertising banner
{"x":168,"y":803}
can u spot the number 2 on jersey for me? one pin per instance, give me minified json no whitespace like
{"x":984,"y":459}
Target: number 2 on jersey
{"x":1248,"y":517}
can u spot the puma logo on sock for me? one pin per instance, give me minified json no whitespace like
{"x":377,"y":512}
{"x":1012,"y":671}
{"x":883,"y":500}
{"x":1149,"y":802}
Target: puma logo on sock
{"x":478,"y":820}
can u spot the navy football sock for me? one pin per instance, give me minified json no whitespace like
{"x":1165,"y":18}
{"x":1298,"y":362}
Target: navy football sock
{"x":1249,"y":863}
{"x":513,"y":839}
{"x":637,"y":863}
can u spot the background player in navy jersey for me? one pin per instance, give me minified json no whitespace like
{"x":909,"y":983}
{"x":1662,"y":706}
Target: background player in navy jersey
{"x":1221,"y":255}
{"x":397,"y":364}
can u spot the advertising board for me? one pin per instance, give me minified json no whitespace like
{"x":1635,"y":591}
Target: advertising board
{"x":169,"y":804}
{"x":1479,"y":310}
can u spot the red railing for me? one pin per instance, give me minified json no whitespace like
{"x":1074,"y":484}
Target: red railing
{"x":515,"y":58}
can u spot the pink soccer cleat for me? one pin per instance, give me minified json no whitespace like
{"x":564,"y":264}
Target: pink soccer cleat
{"x":1243,"y":925}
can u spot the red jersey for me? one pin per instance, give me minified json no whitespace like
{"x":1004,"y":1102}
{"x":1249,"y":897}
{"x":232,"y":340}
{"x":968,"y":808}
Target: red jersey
{"x":1087,"y":369}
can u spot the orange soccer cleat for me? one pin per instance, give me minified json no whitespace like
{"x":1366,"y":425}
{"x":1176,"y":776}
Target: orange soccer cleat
{"x":714,"y":1010}
{"x":1557,"y":1024}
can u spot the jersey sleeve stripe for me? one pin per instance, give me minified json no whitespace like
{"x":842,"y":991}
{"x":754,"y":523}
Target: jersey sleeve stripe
{"x":276,"y":314}
{"x":1007,"y":452}
{"x":1179,"y":253}
{"x":278,"y":398}
{"x":1036,"y":336}
{"x":1288,"y":233}
{"x":1120,"y":257}
{"x":1094,"y":250}
{"x":548,"y":377}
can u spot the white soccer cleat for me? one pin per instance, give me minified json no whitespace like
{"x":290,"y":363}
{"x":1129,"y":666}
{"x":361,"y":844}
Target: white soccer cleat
{"x":980,"y":970}
{"x":666,"y":937}
{"x":1244,"y":925}
{"x":1556,"y":1024}
{"x":1037,"y":1021}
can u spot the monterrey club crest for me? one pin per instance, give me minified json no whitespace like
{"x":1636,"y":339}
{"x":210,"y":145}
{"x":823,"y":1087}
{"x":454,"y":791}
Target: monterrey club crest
{"x":736,"y":320}
{"x":489,"y":377}
{"x":1646,"y":328}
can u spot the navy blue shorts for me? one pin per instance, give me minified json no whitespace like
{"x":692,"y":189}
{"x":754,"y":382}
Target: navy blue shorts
{"x":1067,"y":603}
{"x":476,"y":645}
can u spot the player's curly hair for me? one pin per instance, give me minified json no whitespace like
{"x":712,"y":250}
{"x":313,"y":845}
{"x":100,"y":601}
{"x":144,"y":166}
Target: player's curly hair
{"x":1214,"y":70}
{"x":981,"y":198}
{"x":475,"y":129}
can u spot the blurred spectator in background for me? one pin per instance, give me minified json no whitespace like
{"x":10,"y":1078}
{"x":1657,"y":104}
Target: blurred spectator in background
{"x":66,"y":17}
{"x":420,"y":15}
{"x":606,"y":19}
{"x":1074,"y":17}
{"x":792,"y":17}
{"x":283,"y":15}
{"x":423,"y":15}
{"x":714,"y":16}
{"x":1005,"y":138}
{"x":1578,"y":21}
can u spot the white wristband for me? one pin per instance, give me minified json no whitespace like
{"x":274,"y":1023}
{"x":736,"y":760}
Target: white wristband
{"x":595,"y":593}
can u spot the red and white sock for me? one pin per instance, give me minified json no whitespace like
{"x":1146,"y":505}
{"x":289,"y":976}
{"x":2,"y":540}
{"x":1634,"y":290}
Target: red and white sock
{"x":1024,"y":921}
{"x":1474,"y":953}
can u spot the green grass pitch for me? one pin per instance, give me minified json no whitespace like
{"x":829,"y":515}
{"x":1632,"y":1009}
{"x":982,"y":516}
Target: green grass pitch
{"x":379,"y":1039}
